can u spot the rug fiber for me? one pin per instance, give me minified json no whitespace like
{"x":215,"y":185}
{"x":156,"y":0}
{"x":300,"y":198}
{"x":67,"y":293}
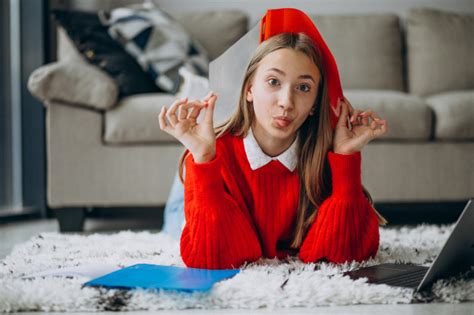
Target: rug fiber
{"x":268,"y":283}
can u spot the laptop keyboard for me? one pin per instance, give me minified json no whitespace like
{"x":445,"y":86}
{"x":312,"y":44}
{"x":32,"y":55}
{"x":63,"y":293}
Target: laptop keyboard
{"x":410,"y":280}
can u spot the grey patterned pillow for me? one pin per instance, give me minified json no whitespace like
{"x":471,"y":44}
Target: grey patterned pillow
{"x":159,"y":44}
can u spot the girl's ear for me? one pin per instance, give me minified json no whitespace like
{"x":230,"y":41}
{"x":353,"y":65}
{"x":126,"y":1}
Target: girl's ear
{"x":249,"y":95}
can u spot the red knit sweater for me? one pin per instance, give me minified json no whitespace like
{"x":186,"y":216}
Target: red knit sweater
{"x":235,"y":214}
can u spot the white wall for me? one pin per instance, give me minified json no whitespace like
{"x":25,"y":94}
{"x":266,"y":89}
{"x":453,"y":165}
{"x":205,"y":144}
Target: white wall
{"x":257,"y":8}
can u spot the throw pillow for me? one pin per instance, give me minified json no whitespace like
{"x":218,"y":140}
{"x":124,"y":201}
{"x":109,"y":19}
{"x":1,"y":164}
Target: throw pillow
{"x":159,"y":44}
{"x":73,"y":83}
{"x":92,"y":40}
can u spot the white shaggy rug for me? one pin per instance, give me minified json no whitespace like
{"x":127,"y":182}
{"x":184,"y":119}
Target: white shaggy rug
{"x":268,"y":283}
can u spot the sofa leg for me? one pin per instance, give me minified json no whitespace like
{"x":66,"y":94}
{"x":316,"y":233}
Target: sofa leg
{"x":71,"y":219}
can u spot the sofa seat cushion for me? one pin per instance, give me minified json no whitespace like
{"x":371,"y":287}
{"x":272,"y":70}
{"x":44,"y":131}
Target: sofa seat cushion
{"x":408,"y":116}
{"x":454,"y":112}
{"x":135,"y":120}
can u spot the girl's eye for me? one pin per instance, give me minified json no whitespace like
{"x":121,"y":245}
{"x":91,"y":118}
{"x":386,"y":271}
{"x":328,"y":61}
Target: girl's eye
{"x":305,"y":87}
{"x":272,"y":81}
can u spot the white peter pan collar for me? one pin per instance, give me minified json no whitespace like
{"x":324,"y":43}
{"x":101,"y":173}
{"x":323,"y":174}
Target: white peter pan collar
{"x":257,"y":158}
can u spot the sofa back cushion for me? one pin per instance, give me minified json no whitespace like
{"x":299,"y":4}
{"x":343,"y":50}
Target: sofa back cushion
{"x":220,"y":30}
{"x":215,"y":30}
{"x":440,"y":51}
{"x":367,"y":48}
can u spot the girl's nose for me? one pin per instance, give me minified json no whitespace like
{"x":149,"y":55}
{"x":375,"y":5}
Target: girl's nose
{"x":286,"y":99}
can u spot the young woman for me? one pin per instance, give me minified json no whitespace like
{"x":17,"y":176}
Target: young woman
{"x":276,"y":179}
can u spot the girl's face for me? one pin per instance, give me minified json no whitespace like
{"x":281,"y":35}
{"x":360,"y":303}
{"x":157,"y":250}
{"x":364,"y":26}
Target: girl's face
{"x":283,"y":92}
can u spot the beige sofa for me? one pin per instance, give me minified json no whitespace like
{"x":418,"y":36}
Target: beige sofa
{"x":415,"y":72}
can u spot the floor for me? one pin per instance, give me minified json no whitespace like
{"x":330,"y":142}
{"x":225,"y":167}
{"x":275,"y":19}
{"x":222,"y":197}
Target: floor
{"x":18,"y":232}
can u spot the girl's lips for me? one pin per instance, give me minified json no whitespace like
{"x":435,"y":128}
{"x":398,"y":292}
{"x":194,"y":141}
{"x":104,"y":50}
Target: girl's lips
{"x":282,"y":122}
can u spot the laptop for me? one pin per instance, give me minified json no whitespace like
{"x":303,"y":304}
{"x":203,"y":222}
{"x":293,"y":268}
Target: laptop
{"x":456,"y":256}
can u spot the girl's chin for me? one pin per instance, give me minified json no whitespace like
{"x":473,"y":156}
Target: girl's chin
{"x":280,"y":131}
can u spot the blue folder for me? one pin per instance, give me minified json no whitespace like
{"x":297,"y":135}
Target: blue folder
{"x":148,"y":276}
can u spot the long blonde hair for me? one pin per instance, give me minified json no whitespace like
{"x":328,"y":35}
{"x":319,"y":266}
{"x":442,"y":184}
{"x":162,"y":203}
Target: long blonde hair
{"x":315,"y":135}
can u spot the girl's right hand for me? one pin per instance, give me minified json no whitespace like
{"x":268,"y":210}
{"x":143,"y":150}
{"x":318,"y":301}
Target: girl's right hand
{"x":199,"y":139}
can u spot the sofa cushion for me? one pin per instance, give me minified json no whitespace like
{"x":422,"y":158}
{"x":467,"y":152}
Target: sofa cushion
{"x":440,"y":51}
{"x":91,"y":39}
{"x":221,"y":30}
{"x":66,"y":51}
{"x":367,"y":48}
{"x":408,"y":116}
{"x":454,"y":112}
{"x":159,"y":44}
{"x":135,"y":119}
{"x":215,"y":30}
{"x":73,"y":83}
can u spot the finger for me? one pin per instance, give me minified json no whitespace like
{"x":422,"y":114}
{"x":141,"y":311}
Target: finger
{"x":351,"y":108}
{"x":343,"y":118}
{"x":377,"y":126}
{"x":370,"y":113}
{"x":208,"y":96}
{"x":373,"y":125}
{"x":364,"y":120}
{"x":355,"y":115}
{"x":197,"y":103}
{"x":194,"y":114}
{"x":162,"y":120}
{"x":209,"y":118}
{"x":384,"y":128}
{"x":183,"y":111}
{"x":381,"y":123}
{"x":351,"y":111}
{"x":381,"y":131}
{"x":171,"y":114}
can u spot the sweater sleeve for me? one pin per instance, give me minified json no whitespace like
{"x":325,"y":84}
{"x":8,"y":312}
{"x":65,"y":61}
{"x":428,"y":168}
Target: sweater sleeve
{"x":346,"y":226}
{"x":217,"y":234}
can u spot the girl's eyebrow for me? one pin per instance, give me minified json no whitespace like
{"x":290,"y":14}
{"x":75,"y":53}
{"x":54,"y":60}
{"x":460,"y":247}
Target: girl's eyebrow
{"x":303,"y":76}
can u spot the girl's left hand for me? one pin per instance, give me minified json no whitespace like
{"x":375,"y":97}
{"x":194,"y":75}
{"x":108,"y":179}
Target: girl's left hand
{"x":350,"y":141}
